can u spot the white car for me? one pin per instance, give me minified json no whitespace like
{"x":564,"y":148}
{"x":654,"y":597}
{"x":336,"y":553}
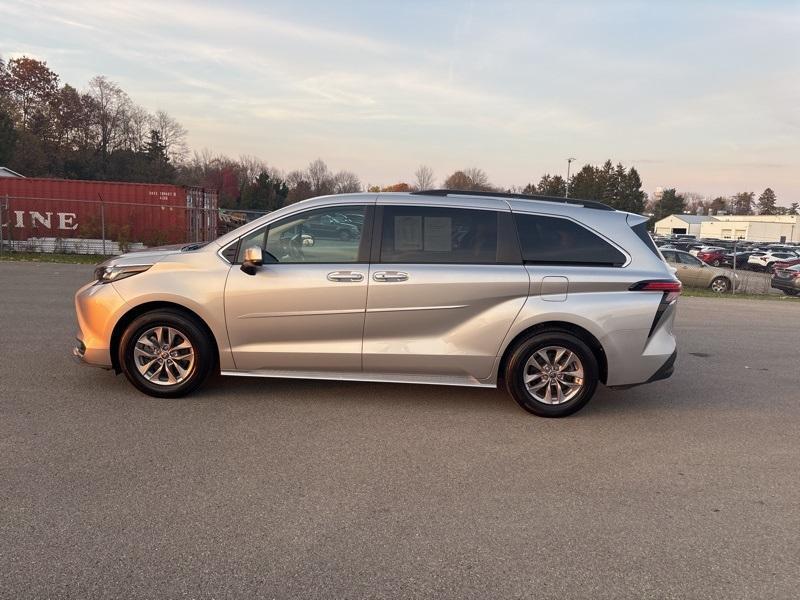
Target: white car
{"x":764,"y":261}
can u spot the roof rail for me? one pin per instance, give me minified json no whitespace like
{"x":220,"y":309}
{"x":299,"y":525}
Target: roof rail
{"x":576,"y":201}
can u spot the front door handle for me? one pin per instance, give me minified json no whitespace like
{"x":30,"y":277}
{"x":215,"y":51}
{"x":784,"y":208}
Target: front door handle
{"x":345,"y":276}
{"x":390,"y":276}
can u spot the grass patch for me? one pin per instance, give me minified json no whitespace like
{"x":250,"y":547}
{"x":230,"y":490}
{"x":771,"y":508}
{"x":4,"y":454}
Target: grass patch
{"x":78,"y":259}
{"x":703,"y":293}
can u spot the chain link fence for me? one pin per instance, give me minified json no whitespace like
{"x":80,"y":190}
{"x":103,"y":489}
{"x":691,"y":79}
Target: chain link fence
{"x":83,"y":226}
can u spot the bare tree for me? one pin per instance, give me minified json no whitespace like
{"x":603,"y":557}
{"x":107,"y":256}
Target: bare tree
{"x":111,"y":105}
{"x":173,"y":136}
{"x":136,"y":125}
{"x":251,"y":167}
{"x":424,"y":178}
{"x":472,"y":179}
{"x":479,"y":178}
{"x":346,"y":182}
{"x":320,"y":178}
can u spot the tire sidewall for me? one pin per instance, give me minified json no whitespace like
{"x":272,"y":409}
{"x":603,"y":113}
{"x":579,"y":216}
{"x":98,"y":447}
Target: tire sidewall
{"x":520,"y":356}
{"x":204,"y":356}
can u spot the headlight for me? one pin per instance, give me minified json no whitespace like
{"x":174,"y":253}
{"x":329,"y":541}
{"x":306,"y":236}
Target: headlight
{"x":109,"y":274}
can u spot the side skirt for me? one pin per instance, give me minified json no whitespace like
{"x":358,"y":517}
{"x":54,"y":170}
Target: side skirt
{"x":464,"y":381}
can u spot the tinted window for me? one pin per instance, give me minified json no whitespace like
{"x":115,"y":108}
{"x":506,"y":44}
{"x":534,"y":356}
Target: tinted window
{"x":325,"y":235}
{"x":669,"y":256}
{"x":641,"y":231}
{"x":552,"y":240}
{"x":688,"y":259}
{"x":421,"y":234}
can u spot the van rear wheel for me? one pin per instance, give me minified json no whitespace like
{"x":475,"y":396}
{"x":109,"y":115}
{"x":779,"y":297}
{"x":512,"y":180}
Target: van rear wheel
{"x":165,"y":354}
{"x":552,"y":374}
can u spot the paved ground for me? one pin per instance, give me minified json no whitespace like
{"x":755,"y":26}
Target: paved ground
{"x":686,"y":488}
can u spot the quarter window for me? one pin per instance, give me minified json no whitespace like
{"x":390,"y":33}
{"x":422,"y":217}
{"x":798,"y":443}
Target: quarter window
{"x":326,"y":235}
{"x":423,"y":234}
{"x":557,"y":241}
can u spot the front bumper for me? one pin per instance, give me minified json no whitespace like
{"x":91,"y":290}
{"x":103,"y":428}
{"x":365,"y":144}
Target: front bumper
{"x":97,"y":307}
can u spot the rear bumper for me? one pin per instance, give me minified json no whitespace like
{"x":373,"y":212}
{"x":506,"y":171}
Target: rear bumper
{"x":666,"y":370}
{"x":780,"y":285}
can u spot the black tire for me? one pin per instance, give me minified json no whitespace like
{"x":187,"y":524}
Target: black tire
{"x":204,"y":357}
{"x":516,"y":366}
{"x":718,"y":282}
{"x":790,"y":292}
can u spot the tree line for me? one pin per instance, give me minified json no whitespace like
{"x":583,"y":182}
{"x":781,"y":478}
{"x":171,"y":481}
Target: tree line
{"x":50,"y":129}
{"x":671,"y":202}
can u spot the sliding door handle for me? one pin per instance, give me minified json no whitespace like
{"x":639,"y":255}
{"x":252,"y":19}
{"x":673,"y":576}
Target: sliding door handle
{"x":345,"y":276}
{"x":390,"y":276}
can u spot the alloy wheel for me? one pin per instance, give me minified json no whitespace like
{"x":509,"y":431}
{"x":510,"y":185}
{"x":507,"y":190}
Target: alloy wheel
{"x":719,"y":285}
{"x":553,"y":375}
{"x":164,"y":356}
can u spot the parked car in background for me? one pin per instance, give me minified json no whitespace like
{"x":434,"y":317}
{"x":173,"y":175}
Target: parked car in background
{"x":787,"y":280}
{"x":712,"y":257}
{"x":693,"y":272}
{"x":785,"y":264}
{"x":739,"y":257}
{"x":695,"y":250}
{"x":766,"y":260}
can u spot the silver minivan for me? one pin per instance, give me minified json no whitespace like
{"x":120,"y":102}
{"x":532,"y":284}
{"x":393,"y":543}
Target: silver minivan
{"x":545,"y":296}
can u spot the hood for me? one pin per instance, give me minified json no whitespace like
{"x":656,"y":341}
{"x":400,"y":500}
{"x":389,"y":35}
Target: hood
{"x":149,"y":256}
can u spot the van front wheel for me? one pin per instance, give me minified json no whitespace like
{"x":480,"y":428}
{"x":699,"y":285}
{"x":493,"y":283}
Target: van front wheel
{"x":552,"y":374}
{"x":165,"y":353}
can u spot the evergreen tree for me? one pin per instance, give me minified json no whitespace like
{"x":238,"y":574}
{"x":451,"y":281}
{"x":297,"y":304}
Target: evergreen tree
{"x":793,"y":208}
{"x":671,"y":203}
{"x":632,"y":198}
{"x":8,"y":138}
{"x":767,"y":203}
{"x":265,"y":193}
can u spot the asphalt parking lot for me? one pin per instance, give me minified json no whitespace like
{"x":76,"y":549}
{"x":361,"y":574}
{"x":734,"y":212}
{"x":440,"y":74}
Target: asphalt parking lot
{"x":686,"y":488}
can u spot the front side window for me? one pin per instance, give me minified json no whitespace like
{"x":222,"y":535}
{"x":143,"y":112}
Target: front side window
{"x":559,"y":241}
{"x":324,"y":235}
{"x":427,"y":234}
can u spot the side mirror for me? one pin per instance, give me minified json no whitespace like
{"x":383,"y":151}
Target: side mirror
{"x":253,"y":258}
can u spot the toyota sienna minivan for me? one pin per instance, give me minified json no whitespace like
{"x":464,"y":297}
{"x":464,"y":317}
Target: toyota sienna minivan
{"x":545,"y":296}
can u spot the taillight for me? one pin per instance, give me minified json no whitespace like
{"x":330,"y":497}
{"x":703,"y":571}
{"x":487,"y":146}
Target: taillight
{"x":670,"y":288}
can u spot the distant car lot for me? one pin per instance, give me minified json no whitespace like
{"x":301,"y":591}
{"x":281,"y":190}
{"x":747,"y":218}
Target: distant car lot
{"x":685,"y":488}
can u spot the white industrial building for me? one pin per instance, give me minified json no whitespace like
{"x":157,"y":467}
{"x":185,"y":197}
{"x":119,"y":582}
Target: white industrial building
{"x":756,"y":228}
{"x":683,"y":224}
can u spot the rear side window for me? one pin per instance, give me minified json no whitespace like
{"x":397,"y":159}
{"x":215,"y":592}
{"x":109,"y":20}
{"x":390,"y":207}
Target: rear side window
{"x":557,"y":241}
{"x":641,"y":231}
{"x":426,"y":234}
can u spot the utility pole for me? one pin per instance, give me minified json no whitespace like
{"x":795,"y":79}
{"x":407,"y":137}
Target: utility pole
{"x":569,"y":162}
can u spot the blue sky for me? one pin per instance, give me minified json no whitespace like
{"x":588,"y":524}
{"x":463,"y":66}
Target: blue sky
{"x":702,"y":96}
